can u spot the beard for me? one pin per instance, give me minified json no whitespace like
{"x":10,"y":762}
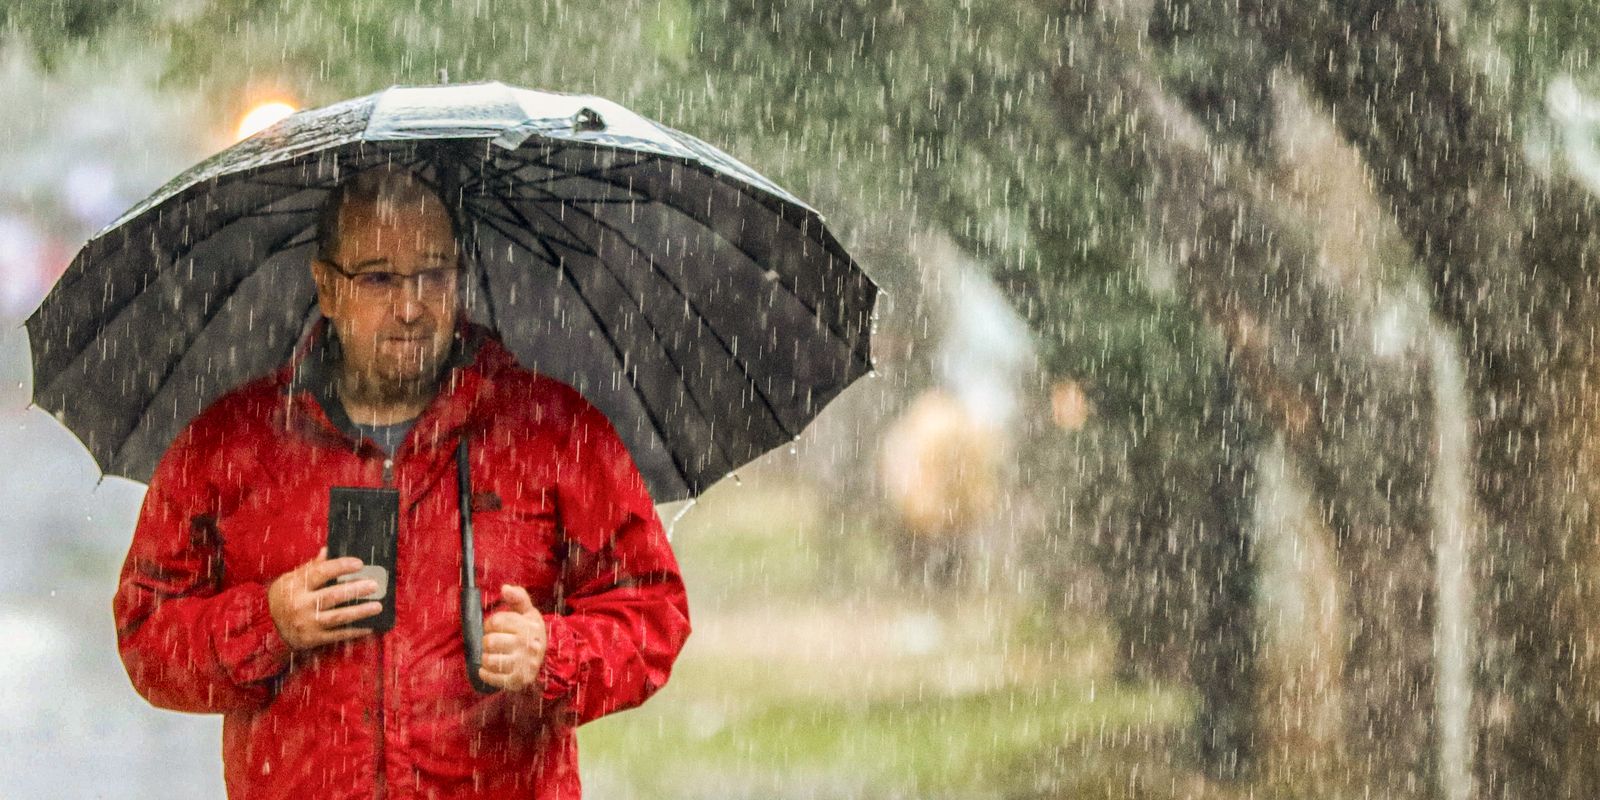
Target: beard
{"x":406,"y":377}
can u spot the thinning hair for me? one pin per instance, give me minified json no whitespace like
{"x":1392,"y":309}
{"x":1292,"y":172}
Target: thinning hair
{"x":385,"y":187}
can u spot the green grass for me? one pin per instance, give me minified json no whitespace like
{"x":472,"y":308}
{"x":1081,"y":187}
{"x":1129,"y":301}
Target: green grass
{"x":810,"y":675}
{"x":929,"y":746}
{"x":749,"y":543}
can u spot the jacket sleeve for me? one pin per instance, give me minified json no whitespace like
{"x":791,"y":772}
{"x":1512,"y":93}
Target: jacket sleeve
{"x":623,"y":615}
{"x":187,"y":643}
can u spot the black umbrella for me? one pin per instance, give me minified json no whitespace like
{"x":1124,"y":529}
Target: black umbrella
{"x":708,"y":313}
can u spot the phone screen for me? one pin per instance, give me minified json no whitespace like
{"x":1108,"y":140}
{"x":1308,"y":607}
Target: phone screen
{"x":364,"y":523}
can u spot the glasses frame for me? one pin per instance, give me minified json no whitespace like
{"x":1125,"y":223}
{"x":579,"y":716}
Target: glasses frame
{"x":398,"y":280}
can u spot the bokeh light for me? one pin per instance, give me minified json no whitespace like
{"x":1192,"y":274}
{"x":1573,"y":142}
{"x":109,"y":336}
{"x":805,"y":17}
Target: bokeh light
{"x":262,"y":116}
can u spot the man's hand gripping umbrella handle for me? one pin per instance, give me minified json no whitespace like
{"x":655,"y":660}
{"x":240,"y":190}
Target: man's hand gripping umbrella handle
{"x":471,"y":598}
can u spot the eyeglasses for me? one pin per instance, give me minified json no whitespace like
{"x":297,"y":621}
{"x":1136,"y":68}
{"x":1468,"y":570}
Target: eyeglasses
{"x":434,"y":282}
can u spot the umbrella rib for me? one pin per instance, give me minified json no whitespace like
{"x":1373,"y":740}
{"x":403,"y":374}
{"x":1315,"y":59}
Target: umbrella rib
{"x":616,"y":350}
{"x":488,"y":289}
{"x":780,"y":280}
{"x":498,"y":172}
{"x":115,"y":313}
{"x":556,"y":261}
{"x":183,"y":352}
{"x":112,"y":314}
{"x":549,"y":256}
{"x":538,"y":184}
{"x":299,"y":240}
{"x":281,"y":212}
{"x":442,"y":160}
{"x":592,"y":172}
{"x":508,"y":228}
{"x":726,"y":348}
{"x":187,"y":248}
{"x":278,"y":184}
{"x":743,"y":367}
{"x":654,"y":331}
{"x":559,"y":173}
{"x":294,"y":341}
{"x":573,"y":243}
{"x":596,"y":201}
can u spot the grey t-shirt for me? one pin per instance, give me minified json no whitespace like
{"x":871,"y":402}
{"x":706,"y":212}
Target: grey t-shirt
{"x":387,"y":437}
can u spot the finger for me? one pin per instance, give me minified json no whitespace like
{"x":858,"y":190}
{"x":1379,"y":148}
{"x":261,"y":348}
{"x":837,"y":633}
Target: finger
{"x":517,"y":599}
{"x":495,"y":679}
{"x":340,"y":635}
{"x":320,"y":572}
{"x":330,"y":596}
{"x":337,"y":617}
{"x":498,"y":642}
{"x":505,"y":622}
{"x":499,"y":662}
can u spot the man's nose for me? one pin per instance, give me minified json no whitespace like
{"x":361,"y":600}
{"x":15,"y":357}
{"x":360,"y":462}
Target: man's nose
{"x":409,"y":305}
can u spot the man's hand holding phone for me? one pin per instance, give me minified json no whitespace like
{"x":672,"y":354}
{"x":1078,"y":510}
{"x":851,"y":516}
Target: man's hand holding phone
{"x":303,"y":602}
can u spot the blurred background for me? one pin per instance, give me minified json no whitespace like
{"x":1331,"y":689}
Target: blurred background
{"x":1231,"y":429}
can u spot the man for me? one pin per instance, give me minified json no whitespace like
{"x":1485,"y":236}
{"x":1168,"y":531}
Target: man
{"x":228,"y":603}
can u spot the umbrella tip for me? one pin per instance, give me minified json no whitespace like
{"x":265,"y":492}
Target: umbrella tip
{"x":679,"y":515}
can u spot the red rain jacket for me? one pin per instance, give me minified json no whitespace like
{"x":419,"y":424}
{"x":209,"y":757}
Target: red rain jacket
{"x":558,"y":507}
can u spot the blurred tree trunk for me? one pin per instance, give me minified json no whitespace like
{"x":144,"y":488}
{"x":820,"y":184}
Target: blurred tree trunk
{"x":1224,"y":659}
{"x":1511,"y":256}
{"x":1361,"y":426}
{"x":1182,"y":575}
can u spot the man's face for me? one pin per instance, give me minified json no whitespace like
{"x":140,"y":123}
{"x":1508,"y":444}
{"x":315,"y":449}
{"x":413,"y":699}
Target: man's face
{"x":395,"y":332}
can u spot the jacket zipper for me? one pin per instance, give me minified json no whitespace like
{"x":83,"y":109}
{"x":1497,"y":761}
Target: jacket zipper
{"x":382,"y":777}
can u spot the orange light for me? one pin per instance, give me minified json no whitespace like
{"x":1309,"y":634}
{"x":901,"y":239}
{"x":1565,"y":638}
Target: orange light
{"x":261,"y":117}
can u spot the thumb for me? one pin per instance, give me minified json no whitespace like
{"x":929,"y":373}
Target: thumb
{"x":517,"y":599}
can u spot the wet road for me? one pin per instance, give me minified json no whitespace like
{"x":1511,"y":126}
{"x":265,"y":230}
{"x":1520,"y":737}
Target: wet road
{"x":70,"y":723}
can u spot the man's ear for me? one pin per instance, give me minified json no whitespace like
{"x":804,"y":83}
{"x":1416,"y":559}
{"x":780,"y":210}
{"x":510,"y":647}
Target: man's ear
{"x":322,"y":277}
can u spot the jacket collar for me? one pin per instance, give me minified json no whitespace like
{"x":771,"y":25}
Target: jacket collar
{"x":476,"y":354}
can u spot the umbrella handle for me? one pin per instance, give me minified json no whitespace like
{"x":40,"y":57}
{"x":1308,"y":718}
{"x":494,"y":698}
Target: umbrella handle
{"x":471,"y":598}
{"x":472,"y":637}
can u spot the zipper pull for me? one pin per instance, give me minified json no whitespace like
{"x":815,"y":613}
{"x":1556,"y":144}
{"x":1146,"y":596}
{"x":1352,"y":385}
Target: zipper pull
{"x":388,"y":471}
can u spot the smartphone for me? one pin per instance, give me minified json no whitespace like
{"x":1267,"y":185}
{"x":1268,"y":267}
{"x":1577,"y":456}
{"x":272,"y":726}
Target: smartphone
{"x":365,"y":523}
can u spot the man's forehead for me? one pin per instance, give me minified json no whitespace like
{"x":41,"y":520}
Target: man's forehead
{"x":392,"y":206}
{"x":423,"y":221}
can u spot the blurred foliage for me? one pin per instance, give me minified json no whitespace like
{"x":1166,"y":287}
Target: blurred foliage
{"x":1527,"y":44}
{"x":947,"y":102}
{"x":54,"y":27}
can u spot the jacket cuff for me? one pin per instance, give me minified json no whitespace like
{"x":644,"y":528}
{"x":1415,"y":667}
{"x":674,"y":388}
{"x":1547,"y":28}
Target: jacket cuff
{"x":559,"y":673}
{"x":250,"y":646}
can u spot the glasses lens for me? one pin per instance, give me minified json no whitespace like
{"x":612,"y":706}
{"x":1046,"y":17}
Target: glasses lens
{"x":376,"y":282}
{"x":436,"y":281}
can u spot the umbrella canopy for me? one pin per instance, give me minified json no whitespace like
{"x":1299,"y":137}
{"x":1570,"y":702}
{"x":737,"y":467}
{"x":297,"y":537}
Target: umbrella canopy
{"x":709,"y":313}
